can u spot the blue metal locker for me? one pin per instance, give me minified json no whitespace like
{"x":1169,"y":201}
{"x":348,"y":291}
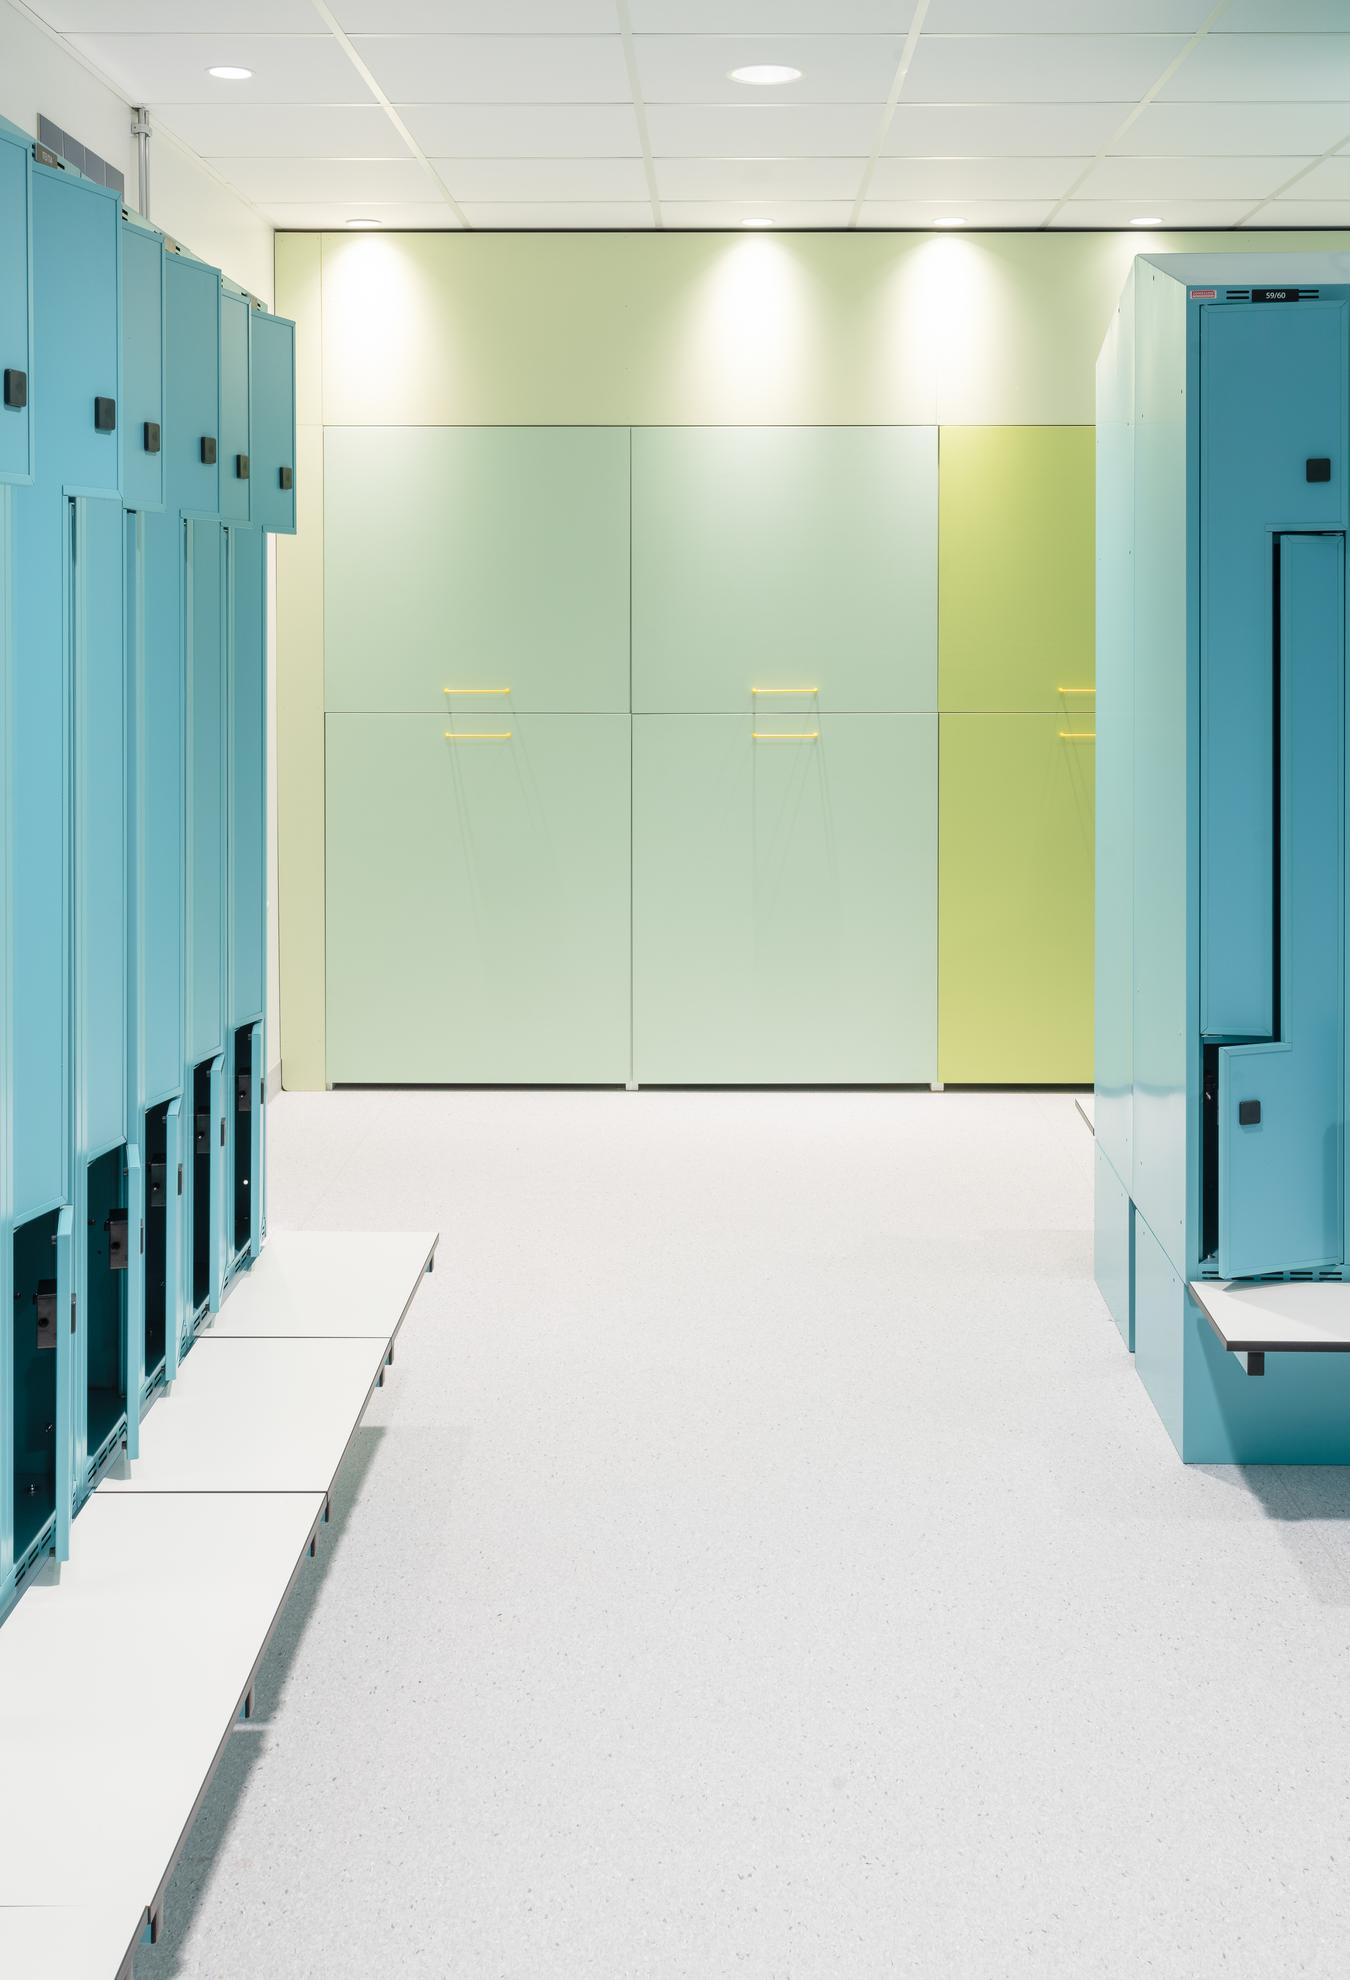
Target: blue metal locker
{"x":235,"y":463}
{"x":246,"y":879}
{"x":1224,"y":394}
{"x":16,"y":309}
{"x":142,"y":421}
{"x":192,"y":385}
{"x":205,"y":930}
{"x":272,"y":389}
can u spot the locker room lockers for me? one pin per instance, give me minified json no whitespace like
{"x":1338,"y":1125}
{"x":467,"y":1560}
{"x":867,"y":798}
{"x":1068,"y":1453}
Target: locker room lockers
{"x":133,"y":584}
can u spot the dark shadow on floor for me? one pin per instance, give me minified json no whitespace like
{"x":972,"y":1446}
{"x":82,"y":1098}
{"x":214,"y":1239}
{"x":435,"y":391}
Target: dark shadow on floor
{"x":247,"y":1745}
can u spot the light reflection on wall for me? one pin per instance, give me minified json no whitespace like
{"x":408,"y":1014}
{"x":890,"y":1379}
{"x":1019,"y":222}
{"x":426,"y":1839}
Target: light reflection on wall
{"x":749,"y":349}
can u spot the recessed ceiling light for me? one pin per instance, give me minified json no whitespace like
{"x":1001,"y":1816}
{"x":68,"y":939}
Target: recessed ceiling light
{"x":227,"y":74}
{"x":765,"y":74}
{"x":1147,"y":220}
{"x":365,"y":223}
{"x":757,"y":223}
{"x":951,"y":220}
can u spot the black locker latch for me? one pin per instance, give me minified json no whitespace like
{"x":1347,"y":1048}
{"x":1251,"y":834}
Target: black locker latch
{"x":105,"y":415}
{"x":286,"y":477}
{"x":1249,"y":1113}
{"x":222,"y":1130}
{"x":117,"y":1241}
{"x":16,"y":390}
{"x":202,"y":1139}
{"x":243,"y":1093}
{"x":44,"y":1299}
{"x":1318,"y":468}
{"x":208,"y":450}
{"x":152,"y":436}
{"x":157,"y":1180}
{"x":180,"y":1179}
{"x":241,"y":467}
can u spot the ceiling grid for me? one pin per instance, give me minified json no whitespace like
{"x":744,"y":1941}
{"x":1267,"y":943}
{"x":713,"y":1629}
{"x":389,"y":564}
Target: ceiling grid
{"x":562,"y":114}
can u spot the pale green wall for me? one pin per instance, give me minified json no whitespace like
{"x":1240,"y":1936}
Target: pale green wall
{"x":649,"y":330}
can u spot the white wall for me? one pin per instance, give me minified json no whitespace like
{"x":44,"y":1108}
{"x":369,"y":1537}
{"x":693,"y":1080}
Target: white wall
{"x":37,"y":74}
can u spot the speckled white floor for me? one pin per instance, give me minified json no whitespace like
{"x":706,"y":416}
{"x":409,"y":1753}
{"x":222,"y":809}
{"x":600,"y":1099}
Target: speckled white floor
{"x":764,"y":1562}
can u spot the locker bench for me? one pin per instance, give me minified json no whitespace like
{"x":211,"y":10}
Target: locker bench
{"x":1283,"y":1316}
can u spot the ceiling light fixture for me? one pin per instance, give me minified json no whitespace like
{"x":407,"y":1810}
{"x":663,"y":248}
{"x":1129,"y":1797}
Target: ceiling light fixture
{"x":363,"y":223}
{"x":757,"y":223}
{"x":1147,"y":220}
{"x":951,"y":220}
{"x":226,"y":74}
{"x":765,"y":74}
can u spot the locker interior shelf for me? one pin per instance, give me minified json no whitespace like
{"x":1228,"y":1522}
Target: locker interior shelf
{"x":183,"y":1567}
{"x":1281,"y":1316}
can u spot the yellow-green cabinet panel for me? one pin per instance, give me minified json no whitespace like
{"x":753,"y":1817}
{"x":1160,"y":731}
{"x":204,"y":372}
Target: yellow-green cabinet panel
{"x":1016,"y":567}
{"x":784,"y":900}
{"x":784,"y":557}
{"x":478,"y":899}
{"x":1015,"y":899}
{"x":489,"y":561}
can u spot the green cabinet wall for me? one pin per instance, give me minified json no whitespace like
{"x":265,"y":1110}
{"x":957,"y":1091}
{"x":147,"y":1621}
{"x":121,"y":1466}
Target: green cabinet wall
{"x":1015,"y":905}
{"x":1016,"y":569}
{"x":777,"y":556}
{"x":784,"y":899}
{"x":501,"y":556}
{"x":478,"y":897}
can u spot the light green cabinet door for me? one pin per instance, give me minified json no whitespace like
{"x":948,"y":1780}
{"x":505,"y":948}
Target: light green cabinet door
{"x":478,"y":899}
{"x":1015,"y":900}
{"x":1017,"y":565}
{"x":784,"y":897}
{"x":784,"y":557}
{"x":488,"y":561}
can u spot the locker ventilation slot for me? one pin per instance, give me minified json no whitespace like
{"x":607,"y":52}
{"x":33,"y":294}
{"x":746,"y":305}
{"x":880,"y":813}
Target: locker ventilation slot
{"x":203,"y":1139}
{"x":35,"y":1324}
{"x":105,"y":1300}
{"x":243,"y":1136}
{"x":160,"y":1198}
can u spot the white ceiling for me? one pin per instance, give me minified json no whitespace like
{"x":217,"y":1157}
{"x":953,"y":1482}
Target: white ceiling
{"x":621,"y":113}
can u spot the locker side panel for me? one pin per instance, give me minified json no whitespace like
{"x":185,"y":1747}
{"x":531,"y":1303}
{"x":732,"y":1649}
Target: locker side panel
{"x":100,"y":827}
{"x":205,"y":791}
{"x":247,"y":767}
{"x":235,"y":463}
{"x":160,"y":803}
{"x":272,"y":394}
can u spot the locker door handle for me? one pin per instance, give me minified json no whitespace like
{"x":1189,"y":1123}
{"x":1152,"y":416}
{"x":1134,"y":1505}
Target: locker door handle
{"x":805,"y":690}
{"x":105,"y":415}
{"x":286,"y":477}
{"x":1078,"y":735}
{"x":16,"y":390}
{"x":785,"y":735}
{"x":151,"y":436}
{"x":478,"y":735}
{"x":453,"y":690}
{"x":241,"y":466}
{"x":208,"y":450}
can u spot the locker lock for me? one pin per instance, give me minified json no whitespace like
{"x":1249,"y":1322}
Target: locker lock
{"x":116,"y":1228}
{"x":286,"y":477}
{"x":152,"y":436}
{"x":105,"y":415}
{"x":16,"y":390}
{"x":202,"y":1138}
{"x":158,"y":1184}
{"x":1318,"y":468}
{"x":44,"y":1300}
{"x":208,"y":450}
{"x":243,"y":1093}
{"x":241,"y":467}
{"x":1249,"y":1113}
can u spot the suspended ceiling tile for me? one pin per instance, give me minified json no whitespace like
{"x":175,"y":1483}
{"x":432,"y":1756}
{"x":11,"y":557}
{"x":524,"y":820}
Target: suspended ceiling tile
{"x":1329,"y":180}
{"x":955,"y":179}
{"x":529,"y":130}
{"x":475,"y":16}
{"x":1188,"y":213}
{"x":1038,"y":68}
{"x":331,"y":215}
{"x":1255,"y":68}
{"x":283,"y":130}
{"x":602,"y":181}
{"x":770,"y":130}
{"x":1182,"y":130}
{"x":178,"y":16}
{"x":987,"y":215}
{"x":1294,"y":212}
{"x":1066,"y":16}
{"x":978,"y":130}
{"x":1289,"y":16}
{"x":782,"y":213}
{"x":759,"y":178}
{"x":171,"y":68}
{"x":773,"y":17}
{"x":843,"y":68}
{"x":303,"y":181}
{"x":549,"y":217}
{"x":497,"y":68}
{"x":1145,"y":179}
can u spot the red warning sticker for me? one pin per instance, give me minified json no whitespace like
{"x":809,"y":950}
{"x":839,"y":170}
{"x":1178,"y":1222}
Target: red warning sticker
{"x":1203,"y":295}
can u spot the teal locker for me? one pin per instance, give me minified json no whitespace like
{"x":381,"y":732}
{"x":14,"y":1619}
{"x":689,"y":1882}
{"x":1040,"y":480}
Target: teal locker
{"x":192,"y":385}
{"x":16,"y":314}
{"x":272,"y":401}
{"x":76,"y":317}
{"x":235,"y":465}
{"x":246,"y":880}
{"x":205,"y":790}
{"x":142,"y":412}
